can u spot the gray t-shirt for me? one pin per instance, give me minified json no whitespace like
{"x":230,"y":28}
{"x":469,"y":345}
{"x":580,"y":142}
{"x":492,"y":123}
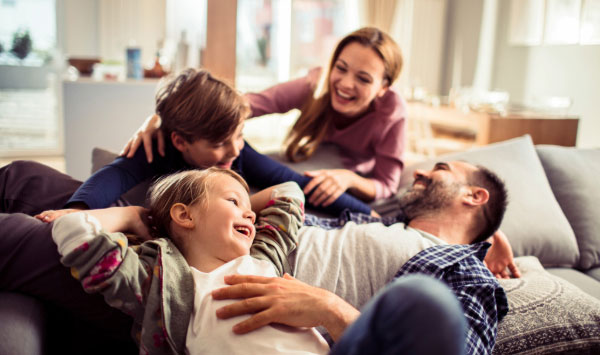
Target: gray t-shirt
{"x":356,"y":261}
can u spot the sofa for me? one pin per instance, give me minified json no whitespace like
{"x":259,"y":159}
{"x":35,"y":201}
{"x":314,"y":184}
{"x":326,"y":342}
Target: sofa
{"x":552,"y":223}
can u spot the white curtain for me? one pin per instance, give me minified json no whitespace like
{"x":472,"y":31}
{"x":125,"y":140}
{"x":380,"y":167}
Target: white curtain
{"x":379,"y":13}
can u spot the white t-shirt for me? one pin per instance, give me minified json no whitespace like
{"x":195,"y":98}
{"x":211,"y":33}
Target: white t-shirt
{"x":209,"y":335}
{"x":354,"y":262}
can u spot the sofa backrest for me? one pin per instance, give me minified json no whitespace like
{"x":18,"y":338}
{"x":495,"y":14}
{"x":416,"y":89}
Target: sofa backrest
{"x":574,"y":178}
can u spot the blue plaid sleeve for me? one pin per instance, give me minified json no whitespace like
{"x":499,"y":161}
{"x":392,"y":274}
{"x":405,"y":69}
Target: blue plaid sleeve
{"x":481,"y":296}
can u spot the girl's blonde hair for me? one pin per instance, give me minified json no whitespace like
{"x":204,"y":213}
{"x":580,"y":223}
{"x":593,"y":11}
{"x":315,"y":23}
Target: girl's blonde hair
{"x":197,"y":105}
{"x":315,"y":119}
{"x":187,"y":187}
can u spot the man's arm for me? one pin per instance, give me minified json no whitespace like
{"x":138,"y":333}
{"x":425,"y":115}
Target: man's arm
{"x":499,"y":258}
{"x":284,"y":301}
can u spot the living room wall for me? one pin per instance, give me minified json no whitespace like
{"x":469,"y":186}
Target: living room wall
{"x":557,"y":70}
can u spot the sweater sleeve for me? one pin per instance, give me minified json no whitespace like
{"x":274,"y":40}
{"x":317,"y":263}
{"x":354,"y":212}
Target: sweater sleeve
{"x":106,"y":185}
{"x":388,"y":160}
{"x":277,"y":228}
{"x":261,"y":171}
{"x":102,"y":262}
{"x":280,"y":98}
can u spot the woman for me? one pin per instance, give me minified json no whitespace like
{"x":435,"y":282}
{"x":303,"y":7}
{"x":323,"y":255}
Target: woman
{"x":355,"y":109}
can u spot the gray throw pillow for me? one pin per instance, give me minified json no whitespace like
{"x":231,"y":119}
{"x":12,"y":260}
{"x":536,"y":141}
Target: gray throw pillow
{"x":573,"y":175}
{"x":547,"y":315}
{"x":534,"y":222}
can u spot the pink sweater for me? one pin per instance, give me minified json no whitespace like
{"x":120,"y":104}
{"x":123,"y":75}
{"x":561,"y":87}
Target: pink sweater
{"x":372,"y":146}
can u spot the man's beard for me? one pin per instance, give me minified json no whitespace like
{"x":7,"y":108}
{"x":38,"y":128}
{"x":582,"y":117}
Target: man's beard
{"x":422,"y":201}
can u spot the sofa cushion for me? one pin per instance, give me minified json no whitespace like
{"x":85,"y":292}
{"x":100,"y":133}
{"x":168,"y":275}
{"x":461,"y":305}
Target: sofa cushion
{"x":594,"y":273}
{"x":22,"y":324}
{"x":534,"y":222}
{"x":584,"y":282}
{"x":547,"y":315}
{"x":573,"y":175}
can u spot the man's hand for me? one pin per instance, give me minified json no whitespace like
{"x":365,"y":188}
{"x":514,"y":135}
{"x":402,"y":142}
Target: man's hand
{"x":51,"y":215}
{"x":499,"y":258}
{"x":328,"y":185}
{"x":149,"y":129}
{"x":283,"y":300}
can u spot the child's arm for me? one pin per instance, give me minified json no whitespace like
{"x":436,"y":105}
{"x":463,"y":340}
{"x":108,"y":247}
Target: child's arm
{"x":102,"y":261}
{"x":278,"y":225}
{"x":260,"y":199}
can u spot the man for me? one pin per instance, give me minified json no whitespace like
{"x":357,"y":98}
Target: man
{"x":457,"y":212}
{"x":449,"y":209}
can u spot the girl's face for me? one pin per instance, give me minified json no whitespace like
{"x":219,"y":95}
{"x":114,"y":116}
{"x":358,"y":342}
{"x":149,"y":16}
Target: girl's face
{"x":356,"y":79}
{"x":203,"y":153}
{"x":225,"y":223}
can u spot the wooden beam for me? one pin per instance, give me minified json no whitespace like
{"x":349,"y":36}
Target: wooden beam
{"x":219,"y":55}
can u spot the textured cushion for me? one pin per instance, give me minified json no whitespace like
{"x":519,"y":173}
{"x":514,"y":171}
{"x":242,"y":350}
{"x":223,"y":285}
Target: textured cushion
{"x":534,"y":222}
{"x":584,"y":282}
{"x":573,"y":175}
{"x":547,"y":315}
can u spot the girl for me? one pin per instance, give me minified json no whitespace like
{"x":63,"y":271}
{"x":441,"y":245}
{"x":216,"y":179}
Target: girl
{"x":355,"y":108}
{"x":165,"y":284}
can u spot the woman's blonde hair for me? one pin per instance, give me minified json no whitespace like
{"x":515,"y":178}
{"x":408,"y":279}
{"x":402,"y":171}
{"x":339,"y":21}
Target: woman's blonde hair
{"x":314,"y":121}
{"x":195,"y":105}
{"x":188,"y":187}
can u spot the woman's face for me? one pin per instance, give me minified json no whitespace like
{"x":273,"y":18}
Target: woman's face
{"x":356,"y":79}
{"x":203,"y":153}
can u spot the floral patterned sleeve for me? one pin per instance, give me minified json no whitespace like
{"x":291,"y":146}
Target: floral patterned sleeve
{"x":277,"y":230}
{"x":103,"y":262}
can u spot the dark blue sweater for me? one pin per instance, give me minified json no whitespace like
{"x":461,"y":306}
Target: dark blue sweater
{"x":109,"y":183}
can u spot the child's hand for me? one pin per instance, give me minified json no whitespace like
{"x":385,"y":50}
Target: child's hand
{"x":138,"y":224}
{"x":130,"y":219}
{"x":51,"y":215}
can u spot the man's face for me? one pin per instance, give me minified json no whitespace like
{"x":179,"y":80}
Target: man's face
{"x":434,"y":190}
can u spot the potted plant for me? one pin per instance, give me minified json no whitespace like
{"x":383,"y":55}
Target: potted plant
{"x":21,"y":44}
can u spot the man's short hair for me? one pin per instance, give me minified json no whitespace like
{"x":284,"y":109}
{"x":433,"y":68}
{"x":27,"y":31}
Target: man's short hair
{"x":492,"y":212}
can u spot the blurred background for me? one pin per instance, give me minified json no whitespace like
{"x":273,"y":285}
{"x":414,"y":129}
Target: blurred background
{"x":76,"y":74}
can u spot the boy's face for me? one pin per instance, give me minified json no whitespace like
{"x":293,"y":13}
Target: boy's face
{"x":225,"y":227}
{"x":203,"y":153}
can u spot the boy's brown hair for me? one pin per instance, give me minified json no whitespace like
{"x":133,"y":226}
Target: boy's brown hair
{"x":196,"y":105}
{"x":188,"y":187}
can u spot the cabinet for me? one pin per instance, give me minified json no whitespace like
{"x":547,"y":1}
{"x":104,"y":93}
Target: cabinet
{"x":486,"y":128}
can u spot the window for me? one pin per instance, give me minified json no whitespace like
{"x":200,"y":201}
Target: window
{"x":34,"y":17}
{"x":281,"y":39}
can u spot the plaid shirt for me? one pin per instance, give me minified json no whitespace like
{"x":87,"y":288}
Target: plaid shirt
{"x":483,"y":299}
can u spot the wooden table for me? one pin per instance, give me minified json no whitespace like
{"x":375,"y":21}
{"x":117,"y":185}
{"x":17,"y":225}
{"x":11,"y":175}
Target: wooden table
{"x":487,"y":128}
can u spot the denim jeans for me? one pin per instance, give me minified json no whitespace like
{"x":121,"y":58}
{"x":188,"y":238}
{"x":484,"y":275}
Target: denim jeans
{"x":415,"y":314}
